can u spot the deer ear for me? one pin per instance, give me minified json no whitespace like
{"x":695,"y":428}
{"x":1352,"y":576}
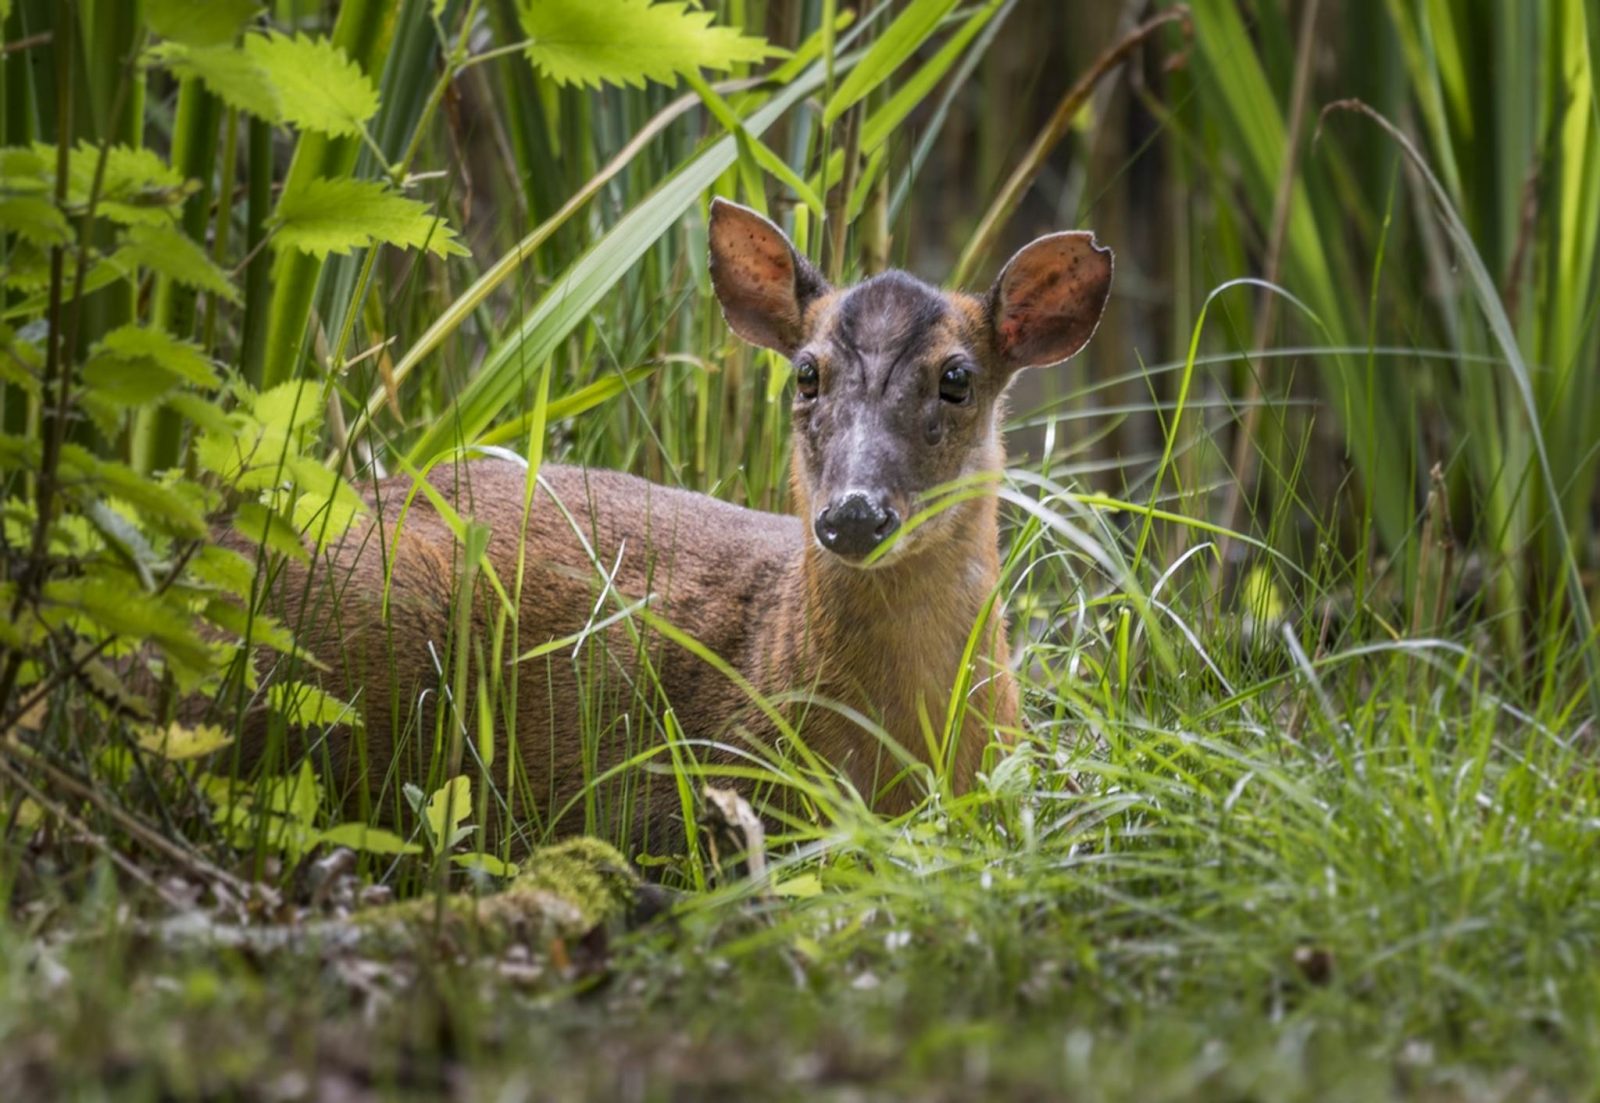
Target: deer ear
{"x":764,"y":285}
{"x":1046,"y":302}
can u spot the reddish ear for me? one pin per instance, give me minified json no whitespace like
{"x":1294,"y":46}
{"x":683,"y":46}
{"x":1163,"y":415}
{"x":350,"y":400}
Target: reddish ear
{"x":763,"y":284}
{"x":1046,"y":302}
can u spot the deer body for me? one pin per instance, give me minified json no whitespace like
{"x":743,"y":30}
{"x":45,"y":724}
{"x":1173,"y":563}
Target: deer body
{"x":852,"y":624}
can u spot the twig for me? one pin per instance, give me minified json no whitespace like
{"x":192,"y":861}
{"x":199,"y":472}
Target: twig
{"x":120,"y":860}
{"x":43,"y":38}
{"x":19,"y":754}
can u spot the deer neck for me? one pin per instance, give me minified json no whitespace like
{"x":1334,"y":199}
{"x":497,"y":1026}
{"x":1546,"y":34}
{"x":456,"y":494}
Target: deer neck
{"x":890,"y":635}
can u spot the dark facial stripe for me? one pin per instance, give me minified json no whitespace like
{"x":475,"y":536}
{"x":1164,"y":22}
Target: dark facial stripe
{"x":891,"y":317}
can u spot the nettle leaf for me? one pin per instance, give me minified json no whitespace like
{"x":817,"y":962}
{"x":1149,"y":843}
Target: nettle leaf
{"x":327,"y":517}
{"x":177,"y":743}
{"x":327,"y":506}
{"x":18,"y":453}
{"x":593,"y":42}
{"x":183,"y":359}
{"x":135,"y":365}
{"x":138,"y":186}
{"x":318,"y":86}
{"x":258,"y":523}
{"x":27,"y":168}
{"x":278,"y":812}
{"x":307,"y":706}
{"x":228,"y":452}
{"x":203,"y":412}
{"x":340,"y":214}
{"x":35,"y":219}
{"x":288,"y":80}
{"x":28,"y":269}
{"x":228,"y":73}
{"x":178,"y":510}
{"x":256,"y":447}
{"x":126,"y":383}
{"x":166,"y":251}
{"x":20,"y":361}
{"x":292,"y":407}
{"x":262,"y":629}
{"x":118,"y":607}
{"x":368,"y":840}
{"x":224,"y":569}
{"x":199,"y":22}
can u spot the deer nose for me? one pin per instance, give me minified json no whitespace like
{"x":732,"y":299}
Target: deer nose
{"x":856,"y":522}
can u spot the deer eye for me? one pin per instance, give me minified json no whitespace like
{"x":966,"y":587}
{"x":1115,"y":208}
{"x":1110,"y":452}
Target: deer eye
{"x":955,"y":384}
{"x":806,"y":377}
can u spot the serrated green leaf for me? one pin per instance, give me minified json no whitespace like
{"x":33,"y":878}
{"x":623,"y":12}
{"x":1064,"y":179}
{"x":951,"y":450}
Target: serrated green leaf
{"x":228,"y":72}
{"x":172,"y":509}
{"x":121,"y":608}
{"x":338,"y":215}
{"x":224,"y":569}
{"x":27,"y":168}
{"x":28,"y":269}
{"x":202,"y":411}
{"x":327,"y":507}
{"x":307,"y":706}
{"x":137,"y":186}
{"x":36,"y":219}
{"x":183,"y":359}
{"x":135,"y":365}
{"x":368,"y":840}
{"x":243,"y":455}
{"x":318,"y":86}
{"x":293,"y":80}
{"x":165,"y":250}
{"x":199,"y":22}
{"x":20,"y":361}
{"x":261,"y":629}
{"x":18,"y":453}
{"x":257,"y":523}
{"x":124,"y":384}
{"x":295,"y":406}
{"x":178,"y":743}
{"x":594,"y":42}
{"x":279,"y":812}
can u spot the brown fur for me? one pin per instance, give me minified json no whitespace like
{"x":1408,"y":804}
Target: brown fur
{"x":801,"y":624}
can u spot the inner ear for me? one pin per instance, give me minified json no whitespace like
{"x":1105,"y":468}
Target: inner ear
{"x":1046,"y":302}
{"x":762,"y":282}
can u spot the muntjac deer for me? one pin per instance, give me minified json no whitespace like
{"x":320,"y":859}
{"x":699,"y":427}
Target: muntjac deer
{"x":850,"y":623}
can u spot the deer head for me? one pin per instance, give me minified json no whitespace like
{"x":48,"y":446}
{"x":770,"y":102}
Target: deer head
{"x":898,"y":386}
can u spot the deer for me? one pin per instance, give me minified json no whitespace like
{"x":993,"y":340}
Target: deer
{"x":842,"y":625}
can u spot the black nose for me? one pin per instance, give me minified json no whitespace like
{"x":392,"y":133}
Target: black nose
{"x":855,"y":523}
